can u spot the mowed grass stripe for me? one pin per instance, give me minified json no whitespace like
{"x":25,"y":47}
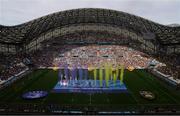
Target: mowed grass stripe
{"x":135,"y":81}
{"x":26,"y":86}
{"x":127,"y":80}
{"x":6,"y":91}
{"x":135,"y":84}
{"x":168,"y":88}
{"x":18,"y":85}
{"x":160,"y":97}
{"x":156,"y":85}
{"x":45,"y":82}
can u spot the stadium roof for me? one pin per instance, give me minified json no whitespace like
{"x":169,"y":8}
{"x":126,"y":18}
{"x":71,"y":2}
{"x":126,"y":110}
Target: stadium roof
{"x":27,"y":31}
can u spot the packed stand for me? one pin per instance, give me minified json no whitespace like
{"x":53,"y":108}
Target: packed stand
{"x":172,"y":67}
{"x":11,"y":65}
{"x":90,"y":56}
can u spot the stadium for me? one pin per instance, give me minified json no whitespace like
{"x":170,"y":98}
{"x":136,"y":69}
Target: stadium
{"x":89,"y":61}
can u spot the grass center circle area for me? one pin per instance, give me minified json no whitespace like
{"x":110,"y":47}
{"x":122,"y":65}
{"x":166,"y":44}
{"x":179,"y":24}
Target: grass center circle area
{"x":35,"y":94}
{"x":147,"y":95}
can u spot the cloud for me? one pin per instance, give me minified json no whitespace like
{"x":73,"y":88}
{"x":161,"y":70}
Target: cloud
{"x":13,"y":12}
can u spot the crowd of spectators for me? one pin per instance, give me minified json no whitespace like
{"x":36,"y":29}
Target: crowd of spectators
{"x":98,"y":55}
{"x":90,"y":56}
{"x":172,"y":67}
{"x":11,"y":65}
{"x":61,"y":52}
{"x":170,"y":71}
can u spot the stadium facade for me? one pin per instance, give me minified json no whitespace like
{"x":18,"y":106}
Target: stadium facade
{"x":140,"y":33}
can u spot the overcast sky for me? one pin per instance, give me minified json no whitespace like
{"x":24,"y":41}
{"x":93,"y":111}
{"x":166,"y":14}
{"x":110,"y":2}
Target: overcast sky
{"x":13,"y":12}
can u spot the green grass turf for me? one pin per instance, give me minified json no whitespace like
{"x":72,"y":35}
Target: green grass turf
{"x":135,"y":81}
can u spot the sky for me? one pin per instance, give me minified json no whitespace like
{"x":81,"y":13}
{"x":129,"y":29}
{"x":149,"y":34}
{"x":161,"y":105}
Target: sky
{"x":14,"y":12}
